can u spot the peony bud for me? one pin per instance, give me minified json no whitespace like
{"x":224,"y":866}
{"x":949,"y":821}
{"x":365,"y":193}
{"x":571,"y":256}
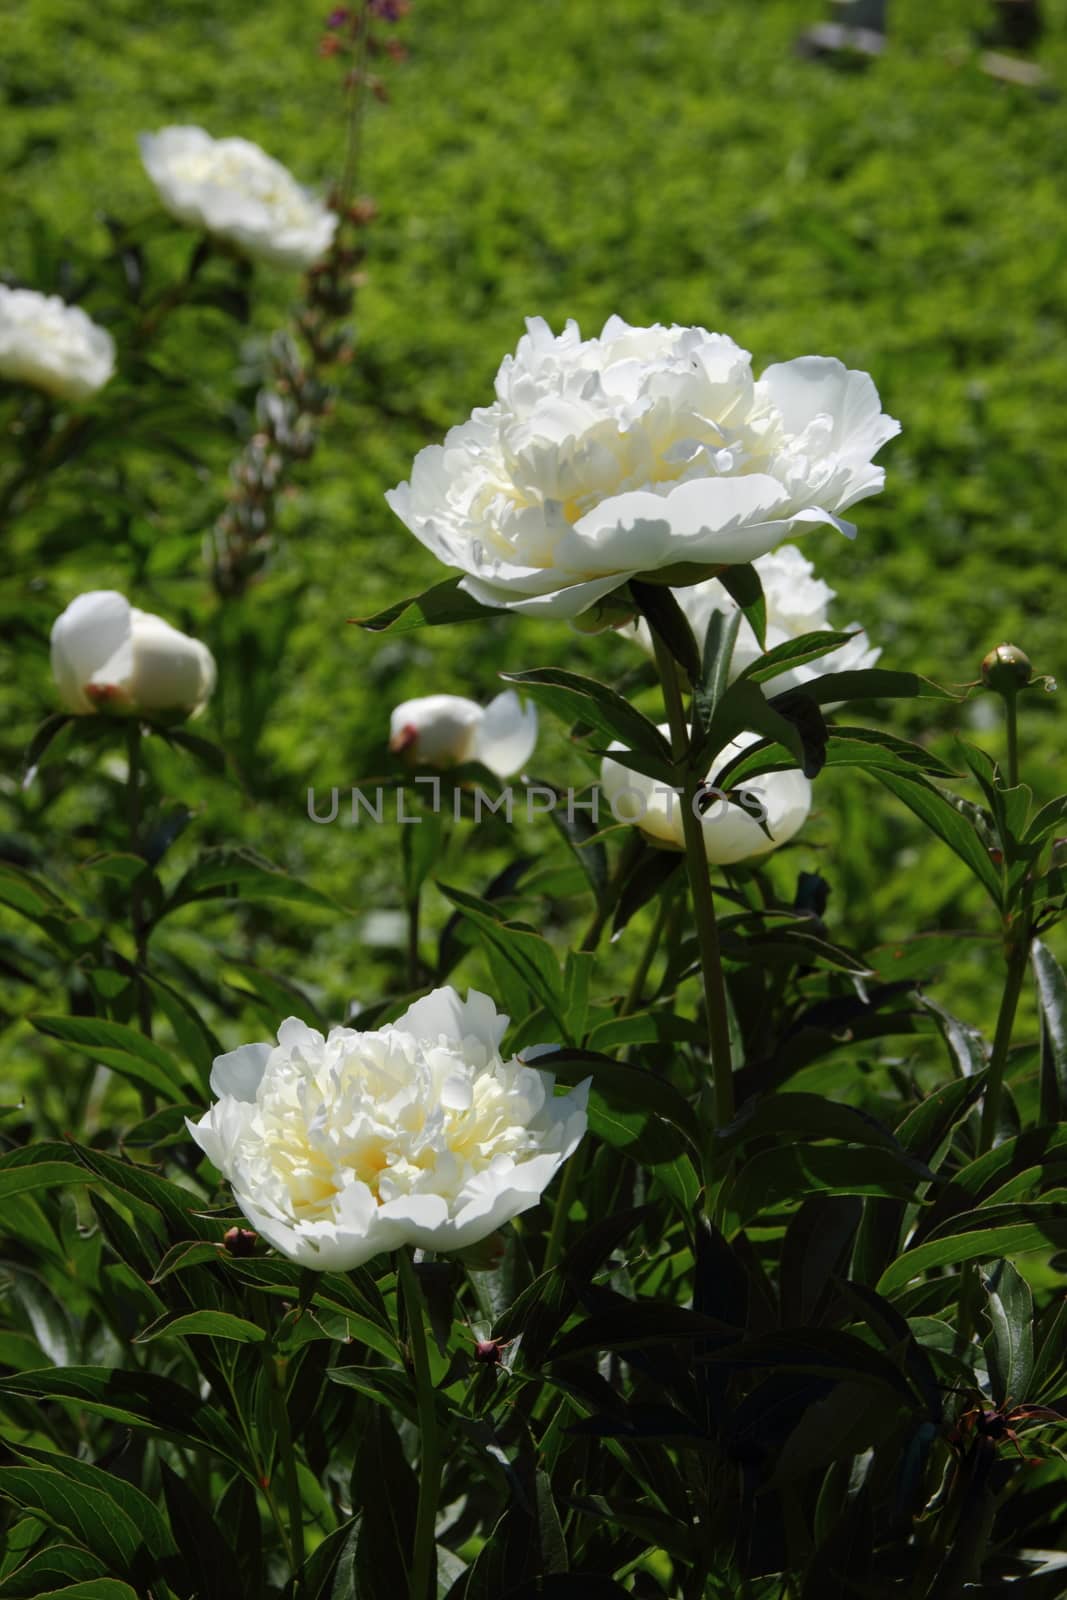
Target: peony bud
{"x":108,"y":656}
{"x":444,"y":730}
{"x":1007,"y":669}
{"x":240,"y":1241}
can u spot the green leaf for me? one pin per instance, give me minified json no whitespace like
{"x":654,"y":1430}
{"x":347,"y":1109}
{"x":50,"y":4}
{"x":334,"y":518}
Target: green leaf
{"x":529,"y":956}
{"x":874,"y":683}
{"x":38,"y":745}
{"x":633,"y":1088}
{"x":846,"y":747}
{"x":809,"y":1114}
{"x":47,"y":1569}
{"x":136,"y":1399}
{"x":942,"y":818}
{"x":125,"y":1050}
{"x":744,"y":707}
{"x":41,"y":1166}
{"x":992,"y":1232}
{"x":666,"y":618}
{"x":91,"y":1589}
{"x":207,"y":1324}
{"x":794,"y":653}
{"x":742,"y":584}
{"x":1051,"y":984}
{"x":714,"y":678}
{"x":242,"y":874}
{"x":829,"y":1352}
{"x":776,"y":1177}
{"x":1047,"y":820}
{"x":1010,"y":1346}
{"x":584,"y":700}
{"x":444,"y":603}
{"x":140,"y":1510}
{"x":93,"y":1518}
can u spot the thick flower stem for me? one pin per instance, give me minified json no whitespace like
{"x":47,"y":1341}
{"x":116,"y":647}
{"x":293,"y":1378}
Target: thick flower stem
{"x":610,"y":898}
{"x":424,"y":1556}
{"x":637,"y":983}
{"x":287,"y":1460}
{"x":137,"y":921}
{"x":1011,"y":716}
{"x":1009,"y":1003}
{"x":721,"y":1104}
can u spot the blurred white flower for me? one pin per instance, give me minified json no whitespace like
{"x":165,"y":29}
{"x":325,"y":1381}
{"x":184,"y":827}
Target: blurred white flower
{"x":646,"y":450}
{"x":51,"y":345}
{"x":731,"y":832}
{"x":797,"y":603}
{"x":108,"y":656}
{"x":236,"y":191}
{"x":443,"y":730}
{"x":417,"y":1133}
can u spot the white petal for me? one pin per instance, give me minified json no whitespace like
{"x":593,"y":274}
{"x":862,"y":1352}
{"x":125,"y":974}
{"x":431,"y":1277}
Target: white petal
{"x":238,"y":1073}
{"x":504,"y":740}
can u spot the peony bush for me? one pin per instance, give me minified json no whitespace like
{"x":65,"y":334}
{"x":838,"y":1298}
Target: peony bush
{"x":621,"y":1222}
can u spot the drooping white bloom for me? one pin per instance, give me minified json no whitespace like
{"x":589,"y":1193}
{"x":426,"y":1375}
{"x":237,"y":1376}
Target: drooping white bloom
{"x":646,"y":450}
{"x":53,"y":346}
{"x":417,"y":1133}
{"x":797,"y":603}
{"x":236,"y":191}
{"x":108,"y":656}
{"x":731,"y":832}
{"x":443,"y":730}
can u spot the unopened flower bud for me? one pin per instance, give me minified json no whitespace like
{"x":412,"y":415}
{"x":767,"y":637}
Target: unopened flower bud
{"x":240,"y":1241}
{"x":1006,"y":669}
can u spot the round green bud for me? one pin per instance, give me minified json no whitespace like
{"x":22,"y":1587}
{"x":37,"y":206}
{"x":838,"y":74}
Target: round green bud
{"x":1006,"y":669}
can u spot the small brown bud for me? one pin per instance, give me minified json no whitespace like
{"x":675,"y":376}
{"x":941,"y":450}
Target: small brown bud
{"x":240,"y":1241}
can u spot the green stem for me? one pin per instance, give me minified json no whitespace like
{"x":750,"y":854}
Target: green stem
{"x":564,"y":1197}
{"x":414,"y":965}
{"x":287,"y":1457}
{"x":648,"y":955}
{"x":1011,"y":715}
{"x":1009,"y":1002}
{"x":424,"y":1556}
{"x":720,"y":1103}
{"x":610,"y":897}
{"x":137,"y":920}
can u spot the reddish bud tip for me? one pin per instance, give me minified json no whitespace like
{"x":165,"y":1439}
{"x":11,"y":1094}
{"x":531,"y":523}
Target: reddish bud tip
{"x":240,"y":1241}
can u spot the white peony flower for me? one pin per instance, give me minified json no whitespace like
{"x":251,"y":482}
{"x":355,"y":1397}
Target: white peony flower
{"x":731,"y":833}
{"x":108,"y":656}
{"x":417,"y":1133}
{"x":443,"y":730}
{"x":647,"y":450}
{"x":236,"y":191}
{"x":51,"y":345}
{"x":797,"y":603}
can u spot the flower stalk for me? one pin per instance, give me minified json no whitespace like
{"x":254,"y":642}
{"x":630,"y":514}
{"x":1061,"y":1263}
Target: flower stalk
{"x":719,"y":1103}
{"x":137,"y":919}
{"x":424,"y":1556}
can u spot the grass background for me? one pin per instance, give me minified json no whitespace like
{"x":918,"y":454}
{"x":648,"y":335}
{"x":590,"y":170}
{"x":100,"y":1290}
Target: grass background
{"x":675,"y":162}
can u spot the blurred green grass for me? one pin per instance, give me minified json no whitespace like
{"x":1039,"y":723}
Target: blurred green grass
{"x":673,"y":163}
